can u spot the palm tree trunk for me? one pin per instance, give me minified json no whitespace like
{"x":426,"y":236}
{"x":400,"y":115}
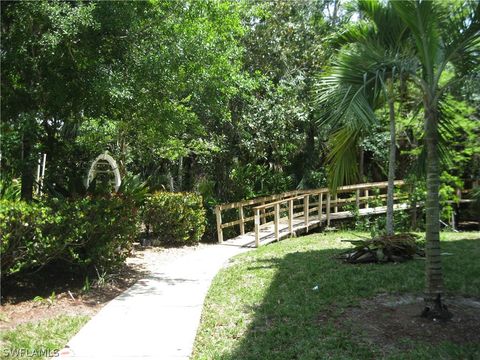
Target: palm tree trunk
{"x":391,"y":167}
{"x":434,"y":308}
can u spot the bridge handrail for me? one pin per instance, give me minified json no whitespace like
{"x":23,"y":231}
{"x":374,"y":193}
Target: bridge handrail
{"x":259,"y":199}
{"x":272,"y":200}
{"x":282,"y":201}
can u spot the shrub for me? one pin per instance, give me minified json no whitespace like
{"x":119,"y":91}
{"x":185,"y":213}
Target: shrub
{"x":99,"y":230}
{"x":24,"y":241}
{"x":175,"y":217}
{"x":83,"y":232}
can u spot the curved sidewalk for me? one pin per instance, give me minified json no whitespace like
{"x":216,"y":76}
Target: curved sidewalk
{"x":157,"y":318}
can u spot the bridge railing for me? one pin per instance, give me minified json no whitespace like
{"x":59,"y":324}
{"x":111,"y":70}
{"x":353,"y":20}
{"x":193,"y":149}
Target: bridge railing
{"x":309,"y":205}
{"x":242,"y":208}
{"x":290,"y":205}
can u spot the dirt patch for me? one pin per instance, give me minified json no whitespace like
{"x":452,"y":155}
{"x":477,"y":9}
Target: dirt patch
{"x":30,"y":298}
{"x":48,"y":294}
{"x":394,"y":322}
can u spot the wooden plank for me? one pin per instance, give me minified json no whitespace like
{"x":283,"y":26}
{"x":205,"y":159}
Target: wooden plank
{"x":267,"y":235}
{"x":320,"y":206}
{"x":263,"y":216}
{"x":260,"y":200}
{"x":328,"y":208}
{"x":277,"y":222}
{"x":348,"y":188}
{"x":248,"y":219}
{"x":294,"y":193}
{"x":282,"y":201}
{"x":242,"y":220}
{"x":218,"y":214}
{"x":306,"y":204}
{"x":301,"y":206}
{"x":257,"y":228}
{"x":290,"y":217}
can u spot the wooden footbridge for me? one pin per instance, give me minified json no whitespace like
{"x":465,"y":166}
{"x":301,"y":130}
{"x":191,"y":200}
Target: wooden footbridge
{"x":271,"y":218}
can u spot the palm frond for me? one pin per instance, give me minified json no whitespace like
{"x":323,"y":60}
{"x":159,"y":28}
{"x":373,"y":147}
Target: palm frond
{"x":461,"y":36}
{"x":391,"y":30}
{"x":359,"y":32}
{"x":422,"y":19}
{"x":447,"y":132}
{"x":342,"y":158}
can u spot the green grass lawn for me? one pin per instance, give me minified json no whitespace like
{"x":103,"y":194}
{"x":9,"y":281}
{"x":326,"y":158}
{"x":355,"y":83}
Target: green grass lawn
{"x":34,"y":340}
{"x":263,"y":305}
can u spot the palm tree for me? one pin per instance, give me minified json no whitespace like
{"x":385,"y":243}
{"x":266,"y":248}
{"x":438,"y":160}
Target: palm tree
{"x":363,"y":78}
{"x":444,"y":35}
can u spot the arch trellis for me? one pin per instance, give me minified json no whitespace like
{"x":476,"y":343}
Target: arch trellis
{"x":101,"y":161}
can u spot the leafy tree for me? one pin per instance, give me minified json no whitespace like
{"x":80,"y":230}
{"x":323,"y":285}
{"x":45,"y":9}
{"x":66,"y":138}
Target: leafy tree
{"x":59,"y":62}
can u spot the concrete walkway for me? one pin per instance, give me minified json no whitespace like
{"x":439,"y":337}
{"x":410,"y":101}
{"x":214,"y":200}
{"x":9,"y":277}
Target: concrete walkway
{"x":158,"y":317}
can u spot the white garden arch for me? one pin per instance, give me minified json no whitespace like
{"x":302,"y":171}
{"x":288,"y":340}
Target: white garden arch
{"x":104,"y":159}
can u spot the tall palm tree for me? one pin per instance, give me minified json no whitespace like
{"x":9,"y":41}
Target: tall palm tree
{"x":363,"y":78}
{"x":444,"y":35}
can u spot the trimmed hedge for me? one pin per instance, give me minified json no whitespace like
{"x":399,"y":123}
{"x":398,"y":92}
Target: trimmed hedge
{"x":82,"y":233}
{"x":175,"y":218}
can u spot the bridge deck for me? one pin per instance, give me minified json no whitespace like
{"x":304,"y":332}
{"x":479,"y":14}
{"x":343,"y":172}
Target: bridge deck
{"x":267,"y":231}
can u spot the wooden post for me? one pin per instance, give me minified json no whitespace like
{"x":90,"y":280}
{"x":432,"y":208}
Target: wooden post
{"x":277,"y":221}
{"x":320,"y":207}
{"x":218,"y":214}
{"x":257,"y":228}
{"x":290,"y":217}
{"x":328,"y":209}
{"x":263,"y":219}
{"x":366,"y":199}
{"x":357,"y":198}
{"x":335,"y":209}
{"x":242,"y":221}
{"x":306,"y":206}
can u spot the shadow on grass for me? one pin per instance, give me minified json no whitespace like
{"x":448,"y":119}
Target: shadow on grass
{"x":300,"y":315}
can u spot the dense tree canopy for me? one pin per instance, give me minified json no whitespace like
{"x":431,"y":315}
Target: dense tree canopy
{"x":211,"y":96}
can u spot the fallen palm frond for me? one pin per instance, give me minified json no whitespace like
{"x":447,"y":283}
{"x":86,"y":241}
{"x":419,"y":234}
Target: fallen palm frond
{"x":394,"y":248}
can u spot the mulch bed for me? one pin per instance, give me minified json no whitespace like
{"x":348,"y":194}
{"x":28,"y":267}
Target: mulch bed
{"x":388,"y":320}
{"x":18,"y":303}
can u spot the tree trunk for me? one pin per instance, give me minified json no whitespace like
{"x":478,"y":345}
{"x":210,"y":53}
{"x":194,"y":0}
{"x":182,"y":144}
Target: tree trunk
{"x":391,"y":167}
{"x":434,"y":307}
{"x":180,"y":174}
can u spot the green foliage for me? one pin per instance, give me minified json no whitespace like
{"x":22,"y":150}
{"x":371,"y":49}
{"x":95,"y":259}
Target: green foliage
{"x":255,"y":180}
{"x":175,"y":217}
{"x":81,"y":233}
{"x":99,"y":230}
{"x":24,"y":230}
{"x":9,"y":191}
{"x":448,"y":194}
{"x":133,"y":188}
{"x":215,"y":96}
